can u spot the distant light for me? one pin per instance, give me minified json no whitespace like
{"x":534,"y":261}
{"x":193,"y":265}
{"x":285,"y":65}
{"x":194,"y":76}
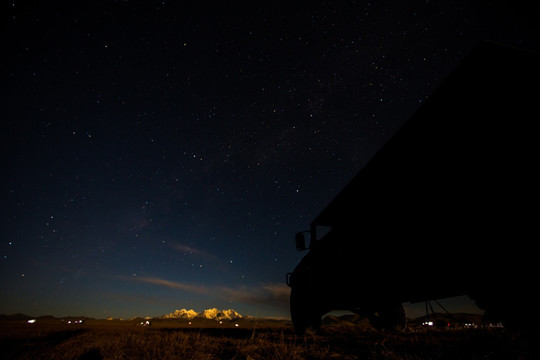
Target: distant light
{"x":31,"y":321}
{"x":236,"y":325}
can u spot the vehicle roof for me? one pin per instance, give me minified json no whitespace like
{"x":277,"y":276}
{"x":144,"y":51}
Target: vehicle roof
{"x":477,"y":128}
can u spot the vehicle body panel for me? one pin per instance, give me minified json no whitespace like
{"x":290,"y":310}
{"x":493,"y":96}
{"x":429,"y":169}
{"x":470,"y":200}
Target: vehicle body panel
{"x":449,"y":205}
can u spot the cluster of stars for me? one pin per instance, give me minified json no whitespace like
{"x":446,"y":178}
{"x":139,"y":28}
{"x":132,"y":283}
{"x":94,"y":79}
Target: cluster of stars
{"x":135,"y":130}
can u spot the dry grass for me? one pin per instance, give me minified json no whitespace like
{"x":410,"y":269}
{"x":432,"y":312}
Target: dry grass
{"x":91,"y":342}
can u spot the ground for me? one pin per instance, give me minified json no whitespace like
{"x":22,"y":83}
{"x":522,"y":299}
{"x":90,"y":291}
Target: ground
{"x":250,"y":339}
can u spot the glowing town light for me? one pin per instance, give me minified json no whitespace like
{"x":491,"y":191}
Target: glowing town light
{"x":31,"y":321}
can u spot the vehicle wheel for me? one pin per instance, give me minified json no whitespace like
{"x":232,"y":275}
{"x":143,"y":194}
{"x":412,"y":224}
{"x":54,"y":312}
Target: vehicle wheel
{"x":389,"y":317}
{"x":304,"y":314}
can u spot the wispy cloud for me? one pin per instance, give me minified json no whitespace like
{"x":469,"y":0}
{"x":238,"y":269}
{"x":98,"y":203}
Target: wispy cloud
{"x":275,"y":294}
{"x":175,"y":285}
{"x":190,"y":250}
{"x":268,"y":294}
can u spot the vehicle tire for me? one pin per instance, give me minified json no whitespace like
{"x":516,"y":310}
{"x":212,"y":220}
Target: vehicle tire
{"x":389,"y":317}
{"x":304,"y":313}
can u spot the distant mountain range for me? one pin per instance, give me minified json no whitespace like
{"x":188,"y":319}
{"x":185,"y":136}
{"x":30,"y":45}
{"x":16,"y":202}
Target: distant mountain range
{"x":230,"y":315}
{"x":212,"y":314}
{"x":24,"y":317}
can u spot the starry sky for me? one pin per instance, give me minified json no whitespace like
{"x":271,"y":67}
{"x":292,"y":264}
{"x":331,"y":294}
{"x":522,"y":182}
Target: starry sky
{"x":160,"y":155}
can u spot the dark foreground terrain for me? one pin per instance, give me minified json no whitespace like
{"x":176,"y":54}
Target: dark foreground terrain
{"x":253,"y":339}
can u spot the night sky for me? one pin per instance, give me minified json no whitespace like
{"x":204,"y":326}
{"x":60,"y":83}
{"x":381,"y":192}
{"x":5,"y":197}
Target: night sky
{"x":160,"y":155}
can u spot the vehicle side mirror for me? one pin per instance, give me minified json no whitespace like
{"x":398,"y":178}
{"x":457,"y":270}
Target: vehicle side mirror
{"x":302,"y":240}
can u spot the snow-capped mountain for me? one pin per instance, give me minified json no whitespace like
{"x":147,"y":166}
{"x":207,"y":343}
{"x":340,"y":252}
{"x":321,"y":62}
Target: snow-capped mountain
{"x":181,"y":314}
{"x":213,"y":314}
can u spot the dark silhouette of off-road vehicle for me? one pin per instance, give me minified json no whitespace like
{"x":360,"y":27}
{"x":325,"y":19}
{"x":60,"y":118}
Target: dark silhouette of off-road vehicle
{"x":447,"y":207}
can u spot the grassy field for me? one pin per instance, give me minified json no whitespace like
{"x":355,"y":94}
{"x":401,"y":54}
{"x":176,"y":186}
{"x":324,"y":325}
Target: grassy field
{"x":100,"y":339}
